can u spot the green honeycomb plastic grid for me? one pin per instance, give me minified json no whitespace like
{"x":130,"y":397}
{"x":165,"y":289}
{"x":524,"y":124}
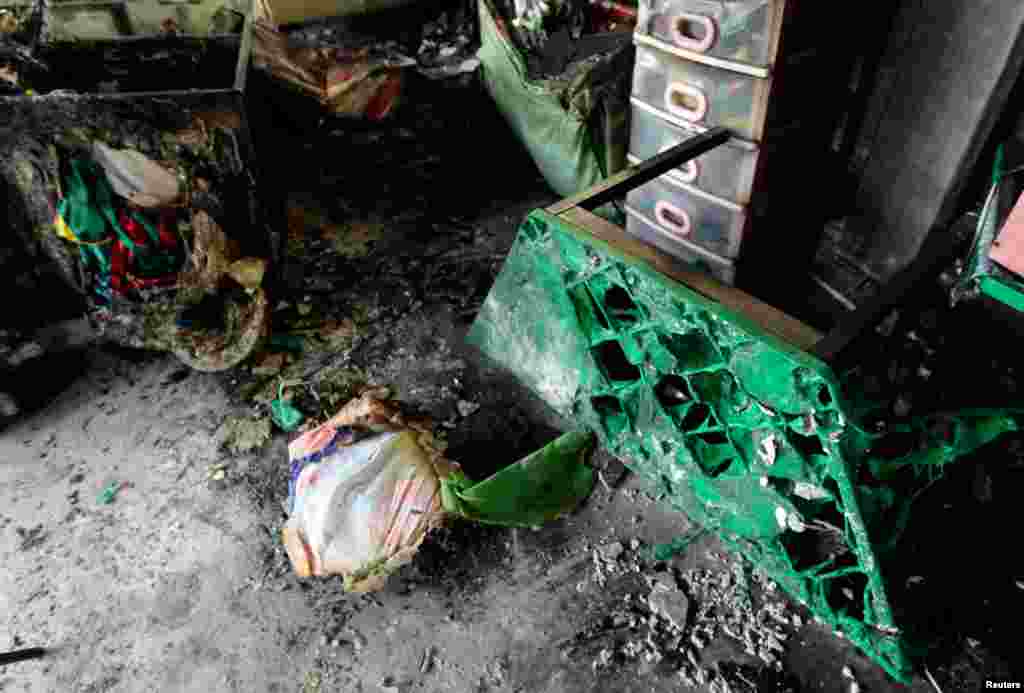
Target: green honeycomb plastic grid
{"x":744,"y":433}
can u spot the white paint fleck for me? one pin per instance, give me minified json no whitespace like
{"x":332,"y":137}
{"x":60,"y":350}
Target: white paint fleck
{"x":809,"y":491}
{"x":781,"y":516}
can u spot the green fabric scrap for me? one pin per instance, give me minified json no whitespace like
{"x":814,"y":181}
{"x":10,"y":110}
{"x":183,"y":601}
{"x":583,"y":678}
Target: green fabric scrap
{"x":541,"y":487}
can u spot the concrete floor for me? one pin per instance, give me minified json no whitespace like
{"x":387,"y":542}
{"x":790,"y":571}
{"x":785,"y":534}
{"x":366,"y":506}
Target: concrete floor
{"x":180,"y":584}
{"x":155,"y":591}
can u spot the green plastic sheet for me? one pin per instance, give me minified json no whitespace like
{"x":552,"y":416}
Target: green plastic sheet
{"x":576,"y":127}
{"x":541,"y":487}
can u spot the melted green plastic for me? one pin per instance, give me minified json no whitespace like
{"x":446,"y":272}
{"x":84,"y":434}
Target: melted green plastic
{"x":741,"y":431}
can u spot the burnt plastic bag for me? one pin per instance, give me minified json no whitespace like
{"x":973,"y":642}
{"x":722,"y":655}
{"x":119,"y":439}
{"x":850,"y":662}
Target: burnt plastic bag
{"x":368,"y":486}
{"x":363,"y":510}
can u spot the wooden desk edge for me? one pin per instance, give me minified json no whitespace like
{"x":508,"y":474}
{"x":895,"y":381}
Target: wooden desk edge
{"x":769,"y":318}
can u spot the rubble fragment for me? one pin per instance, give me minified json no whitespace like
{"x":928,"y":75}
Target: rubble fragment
{"x":447,"y":48}
{"x":670,"y":604}
{"x":467,"y":408}
{"x":613,"y":551}
{"x":427,"y":662}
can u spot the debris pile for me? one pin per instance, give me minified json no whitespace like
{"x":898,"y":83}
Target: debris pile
{"x":726,"y":606}
{"x":563,"y":39}
{"x":448,"y":47}
{"x":669,"y":619}
{"x":610,"y":561}
{"x":148,"y":212}
{"x":358,"y":70}
{"x":344,"y":78}
{"x":18,"y":29}
{"x":537,"y":20}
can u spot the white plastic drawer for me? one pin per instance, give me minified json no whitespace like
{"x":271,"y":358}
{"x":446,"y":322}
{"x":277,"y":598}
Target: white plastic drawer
{"x":727,"y":171}
{"x":700,"y":94}
{"x":689,"y":255}
{"x":741,"y":31}
{"x":713,"y":224}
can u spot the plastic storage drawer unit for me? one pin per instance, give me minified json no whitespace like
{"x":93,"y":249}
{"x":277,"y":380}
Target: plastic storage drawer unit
{"x":743,"y":31}
{"x":701,"y":94}
{"x":689,"y":255}
{"x":711,"y":223}
{"x":726,"y":172}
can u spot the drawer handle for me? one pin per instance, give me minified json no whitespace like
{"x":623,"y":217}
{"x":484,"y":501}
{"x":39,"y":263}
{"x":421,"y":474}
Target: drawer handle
{"x":688,"y":172}
{"x":682,"y":30}
{"x":671,"y":217}
{"x":686,"y":101}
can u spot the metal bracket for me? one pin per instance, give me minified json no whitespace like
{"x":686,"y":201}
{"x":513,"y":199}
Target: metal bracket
{"x":634,"y":176}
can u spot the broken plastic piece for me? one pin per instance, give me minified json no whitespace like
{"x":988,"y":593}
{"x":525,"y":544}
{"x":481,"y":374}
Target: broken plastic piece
{"x":284,"y":414}
{"x":109,"y":493}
